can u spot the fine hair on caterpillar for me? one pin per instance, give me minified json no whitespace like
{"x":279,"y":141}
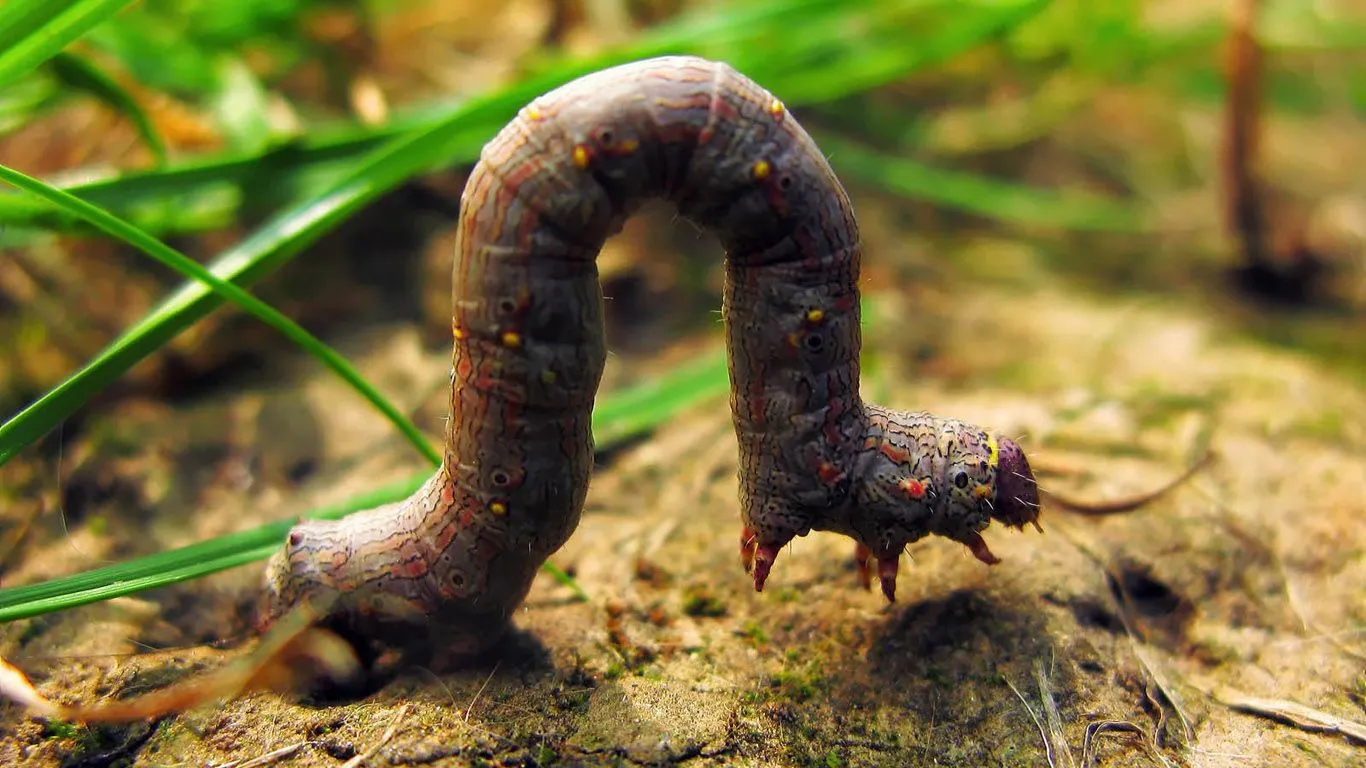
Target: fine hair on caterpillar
{"x":449,"y":565}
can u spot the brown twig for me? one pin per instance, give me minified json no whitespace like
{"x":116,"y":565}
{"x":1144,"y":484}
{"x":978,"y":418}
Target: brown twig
{"x":268,"y":758}
{"x":1128,"y":503}
{"x":1244,"y":212}
{"x":1278,"y":262}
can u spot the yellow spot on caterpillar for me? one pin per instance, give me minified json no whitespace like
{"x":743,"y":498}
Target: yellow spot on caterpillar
{"x":794,"y":340}
{"x":995,"y":448}
{"x":498,"y":508}
{"x":814,"y":316}
{"x":628,"y":146}
{"x":761,"y":170}
{"x":512,"y":339}
{"x":981,"y":491}
{"x":776,"y":108}
{"x":458,"y":332}
{"x":533,"y":113}
{"x":581,"y":156}
{"x":549,"y":377}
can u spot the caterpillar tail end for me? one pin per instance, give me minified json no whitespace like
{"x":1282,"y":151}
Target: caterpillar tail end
{"x":278,"y":596}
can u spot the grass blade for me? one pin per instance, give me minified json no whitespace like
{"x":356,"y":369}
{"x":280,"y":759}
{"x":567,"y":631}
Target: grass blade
{"x":817,"y":63}
{"x":33,"y":31}
{"x":869,"y":66}
{"x":23,"y":424}
{"x":211,"y":192}
{"x":984,"y":196}
{"x":80,"y":74}
{"x":641,"y":408}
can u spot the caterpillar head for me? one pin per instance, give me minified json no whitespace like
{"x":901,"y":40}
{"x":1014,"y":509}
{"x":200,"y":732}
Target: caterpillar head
{"x":921,"y":475}
{"x":1017,"y":492}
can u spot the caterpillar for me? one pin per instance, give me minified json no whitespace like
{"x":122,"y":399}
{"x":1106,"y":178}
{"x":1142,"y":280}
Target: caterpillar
{"x":451,"y":563}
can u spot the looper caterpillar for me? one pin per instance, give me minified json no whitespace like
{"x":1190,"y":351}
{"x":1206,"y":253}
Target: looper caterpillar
{"x":453,"y":561}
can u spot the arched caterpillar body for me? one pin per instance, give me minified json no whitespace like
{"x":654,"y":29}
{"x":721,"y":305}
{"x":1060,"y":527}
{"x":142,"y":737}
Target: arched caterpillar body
{"x":452,"y":562}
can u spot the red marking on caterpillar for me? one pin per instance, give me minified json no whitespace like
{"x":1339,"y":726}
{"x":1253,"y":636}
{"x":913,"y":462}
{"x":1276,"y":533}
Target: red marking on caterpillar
{"x":547,"y":192}
{"x":914,"y":488}
{"x":897,"y":454}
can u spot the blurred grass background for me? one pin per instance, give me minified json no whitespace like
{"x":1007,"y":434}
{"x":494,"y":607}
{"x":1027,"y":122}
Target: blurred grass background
{"x":313,"y":151}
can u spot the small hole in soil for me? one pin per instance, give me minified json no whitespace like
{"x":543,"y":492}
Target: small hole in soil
{"x":1146,"y":594}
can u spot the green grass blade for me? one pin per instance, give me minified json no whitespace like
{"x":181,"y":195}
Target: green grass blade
{"x":142,"y":573}
{"x":25,"y":101}
{"x":884,"y":55}
{"x":817,"y":61}
{"x":642,"y":407}
{"x":80,"y":74}
{"x":983,"y":196}
{"x":211,"y":192}
{"x":33,"y":31}
{"x":28,"y":424}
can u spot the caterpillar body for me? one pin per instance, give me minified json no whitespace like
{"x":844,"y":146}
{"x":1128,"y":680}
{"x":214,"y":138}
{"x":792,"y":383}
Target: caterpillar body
{"x":450,"y":564}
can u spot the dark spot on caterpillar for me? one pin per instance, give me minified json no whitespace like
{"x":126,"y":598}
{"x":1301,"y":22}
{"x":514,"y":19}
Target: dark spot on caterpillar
{"x":500,"y":477}
{"x":507,"y":306}
{"x":784,"y":182}
{"x":457,"y":579}
{"x":814,"y":342}
{"x":961,"y":479}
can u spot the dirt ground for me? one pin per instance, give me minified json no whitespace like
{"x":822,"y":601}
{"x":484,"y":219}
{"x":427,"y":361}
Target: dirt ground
{"x":1115,"y":641}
